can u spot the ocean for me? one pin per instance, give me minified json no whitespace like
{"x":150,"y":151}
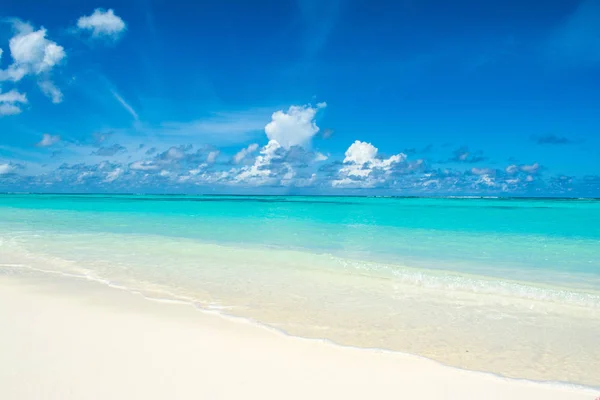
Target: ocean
{"x":507,"y":286}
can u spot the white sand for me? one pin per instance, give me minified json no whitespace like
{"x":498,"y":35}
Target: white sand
{"x":80,"y":340}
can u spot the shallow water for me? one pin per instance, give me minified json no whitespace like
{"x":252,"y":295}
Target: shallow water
{"x":501,"y":285}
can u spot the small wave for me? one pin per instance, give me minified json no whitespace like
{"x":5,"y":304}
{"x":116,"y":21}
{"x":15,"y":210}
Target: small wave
{"x":441,"y":280}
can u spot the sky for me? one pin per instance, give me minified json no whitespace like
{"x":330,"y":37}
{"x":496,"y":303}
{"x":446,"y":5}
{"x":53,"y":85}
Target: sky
{"x":407,"y":97}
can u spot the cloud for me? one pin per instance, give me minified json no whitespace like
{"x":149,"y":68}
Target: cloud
{"x":531,"y":169}
{"x":143,"y":166}
{"x":512,"y":169}
{"x":363,"y":168}
{"x":102,"y":24}
{"x":260,"y":172}
{"x":296,"y":127}
{"x":125,"y":105}
{"x":300,"y":158}
{"x":174,"y":153}
{"x":32,"y":53}
{"x":212,"y":156}
{"x":552,"y":139}
{"x":464,"y":155}
{"x":320,"y":157}
{"x":109,"y":151}
{"x":10,"y":102}
{"x":243,"y":153}
{"x":6,"y":169}
{"x":48,"y":140}
{"x":113,"y":175}
{"x":483,"y":171}
{"x":51,"y":91}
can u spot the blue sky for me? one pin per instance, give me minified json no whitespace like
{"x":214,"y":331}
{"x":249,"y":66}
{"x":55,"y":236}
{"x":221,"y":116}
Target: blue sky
{"x":415,"y":97}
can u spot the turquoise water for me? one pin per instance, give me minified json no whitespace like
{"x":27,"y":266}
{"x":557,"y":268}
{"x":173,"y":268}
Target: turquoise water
{"x":489,"y":284}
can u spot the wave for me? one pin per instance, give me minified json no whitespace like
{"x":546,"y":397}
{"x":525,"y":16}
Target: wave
{"x":476,"y":284}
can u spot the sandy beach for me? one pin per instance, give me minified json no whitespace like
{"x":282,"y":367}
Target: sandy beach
{"x":73,"y":339}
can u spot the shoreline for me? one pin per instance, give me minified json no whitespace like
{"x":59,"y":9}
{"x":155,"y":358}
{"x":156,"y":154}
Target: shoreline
{"x":60,"y":317}
{"x":517,"y":356}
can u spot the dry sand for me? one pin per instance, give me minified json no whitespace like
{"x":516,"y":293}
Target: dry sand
{"x":72,"y":339}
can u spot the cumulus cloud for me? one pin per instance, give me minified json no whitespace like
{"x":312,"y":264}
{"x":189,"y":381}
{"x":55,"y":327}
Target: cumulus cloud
{"x":363,"y":168}
{"x":48,"y":140}
{"x":243,"y":153}
{"x":10,"y":102}
{"x":32,"y":52}
{"x":260,"y":173}
{"x":296,"y":127}
{"x":102,"y":23}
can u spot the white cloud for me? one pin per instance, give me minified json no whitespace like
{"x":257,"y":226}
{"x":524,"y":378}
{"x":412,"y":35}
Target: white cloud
{"x":482,"y":171}
{"x":143,"y":166}
{"x":531,"y":169}
{"x":6,"y":169}
{"x":31,"y":52}
{"x":294,"y":127}
{"x":362,"y":167}
{"x":125,"y":105}
{"x":10,"y":102}
{"x":486,"y":180}
{"x":102,"y":23}
{"x":113,"y":175}
{"x":50,"y":90}
{"x":304,"y":182}
{"x":9,"y":109}
{"x":259,"y":173}
{"x":174,"y":153}
{"x":320,"y":157}
{"x":48,"y":140}
{"x":512,"y":169}
{"x":13,"y":97}
{"x":243,"y":153}
{"x":212,"y":156}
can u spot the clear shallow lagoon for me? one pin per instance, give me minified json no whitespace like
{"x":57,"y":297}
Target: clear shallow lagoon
{"x":509,"y":286}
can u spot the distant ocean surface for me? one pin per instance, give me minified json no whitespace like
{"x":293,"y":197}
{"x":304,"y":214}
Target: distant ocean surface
{"x":508,"y":286}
